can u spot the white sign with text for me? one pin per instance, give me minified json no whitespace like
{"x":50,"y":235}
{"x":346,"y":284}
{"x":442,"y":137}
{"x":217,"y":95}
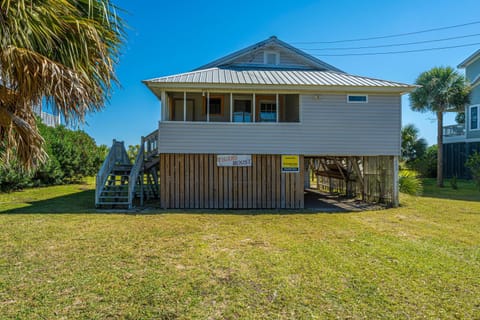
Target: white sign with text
{"x":234,"y":160}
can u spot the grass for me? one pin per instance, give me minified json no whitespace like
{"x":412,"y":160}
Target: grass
{"x":467,"y":190}
{"x":421,"y":260}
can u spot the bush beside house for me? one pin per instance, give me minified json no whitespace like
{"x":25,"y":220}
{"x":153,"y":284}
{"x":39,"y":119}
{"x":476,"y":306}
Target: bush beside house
{"x":72,"y":155}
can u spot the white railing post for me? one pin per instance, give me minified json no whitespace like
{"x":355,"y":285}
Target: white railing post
{"x":208,"y":106}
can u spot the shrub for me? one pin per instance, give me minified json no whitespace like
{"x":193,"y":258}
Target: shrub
{"x":473,"y":164}
{"x":72,"y":155}
{"x":13,"y":177}
{"x":426,"y":165}
{"x":409,"y":182}
{"x":453,"y":183}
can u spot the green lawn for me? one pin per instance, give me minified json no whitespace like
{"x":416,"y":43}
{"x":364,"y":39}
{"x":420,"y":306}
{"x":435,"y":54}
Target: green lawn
{"x":59,"y":259}
{"x":466,"y":190}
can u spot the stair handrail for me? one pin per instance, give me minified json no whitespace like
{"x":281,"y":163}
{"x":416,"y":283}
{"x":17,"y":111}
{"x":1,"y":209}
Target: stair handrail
{"x":151,"y":142}
{"x":107,"y":167}
{"x":136,"y":169}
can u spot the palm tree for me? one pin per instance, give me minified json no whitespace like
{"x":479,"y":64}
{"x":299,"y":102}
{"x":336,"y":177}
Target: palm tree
{"x":59,"y":52}
{"x":413,"y":147}
{"x":441,"y":89}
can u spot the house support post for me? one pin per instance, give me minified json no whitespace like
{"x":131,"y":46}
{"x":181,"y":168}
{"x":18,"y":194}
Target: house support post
{"x":164,"y":105}
{"x":208,"y":106}
{"x":254,"y":114}
{"x":306,"y":180}
{"x":231,"y":107}
{"x":184,"y":106}
{"x":395,"y":182}
{"x":277,"y":106}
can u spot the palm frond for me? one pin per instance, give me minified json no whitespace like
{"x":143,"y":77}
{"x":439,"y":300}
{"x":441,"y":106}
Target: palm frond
{"x":63,"y":52}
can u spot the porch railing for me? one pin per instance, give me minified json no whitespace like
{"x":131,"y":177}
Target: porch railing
{"x":150,"y":144}
{"x":50,"y":120}
{"x":134,"y":175}
{"x":454,"y":130}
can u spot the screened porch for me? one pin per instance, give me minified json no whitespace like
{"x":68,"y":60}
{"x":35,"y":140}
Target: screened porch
{"x":231,"y":107}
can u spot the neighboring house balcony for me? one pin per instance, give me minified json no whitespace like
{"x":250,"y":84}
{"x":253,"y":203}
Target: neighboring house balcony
{"x":454,"y":133}
{"x":51,"y":120}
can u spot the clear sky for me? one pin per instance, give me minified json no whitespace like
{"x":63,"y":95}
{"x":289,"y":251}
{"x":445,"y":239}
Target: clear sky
{"x":168,"y":37}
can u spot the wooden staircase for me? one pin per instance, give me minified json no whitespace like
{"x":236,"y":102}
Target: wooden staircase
{"x":119,"y":182}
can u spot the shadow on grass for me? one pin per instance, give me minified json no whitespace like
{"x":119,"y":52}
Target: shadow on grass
{"x":84,"y":202}
{"x":80,"y":202}
{"x":466,"y":190}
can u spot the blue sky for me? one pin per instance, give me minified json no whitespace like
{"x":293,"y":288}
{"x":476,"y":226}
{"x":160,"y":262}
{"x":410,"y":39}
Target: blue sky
{"x":167,"y":37}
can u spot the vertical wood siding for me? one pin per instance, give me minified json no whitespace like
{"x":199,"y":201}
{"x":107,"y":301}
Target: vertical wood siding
{"x":195,"y":181}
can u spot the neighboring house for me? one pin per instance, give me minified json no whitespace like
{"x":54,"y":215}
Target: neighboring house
{"x":49,"y":119}
{"x":248,"y":129}
{"x":460,"y":141}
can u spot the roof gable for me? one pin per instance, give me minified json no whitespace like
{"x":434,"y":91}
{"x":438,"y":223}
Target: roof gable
{"x":472,"y":58}
{"x":289,"y":57}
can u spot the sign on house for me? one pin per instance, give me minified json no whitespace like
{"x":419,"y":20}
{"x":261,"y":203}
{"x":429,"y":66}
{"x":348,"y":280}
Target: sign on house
{"x":234,"y":160}
{"x":290,"y":163}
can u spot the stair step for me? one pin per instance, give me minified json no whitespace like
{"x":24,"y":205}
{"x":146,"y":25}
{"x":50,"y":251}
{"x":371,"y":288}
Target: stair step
{"x":112,"y":203}
{"x":123,"y":167}
{"x":113,"y":197}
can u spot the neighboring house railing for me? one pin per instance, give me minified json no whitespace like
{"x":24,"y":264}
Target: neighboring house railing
{"x":49,"y":119}
{"x":454,"y":130}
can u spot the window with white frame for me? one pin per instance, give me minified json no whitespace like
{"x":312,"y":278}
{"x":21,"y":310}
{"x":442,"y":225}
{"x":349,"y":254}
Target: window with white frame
{"x":357,"y":98}
{"x":271,"y":57}
{"x":242,"y":110}
{"x":268,"y":111}
{"x":474,"y":121}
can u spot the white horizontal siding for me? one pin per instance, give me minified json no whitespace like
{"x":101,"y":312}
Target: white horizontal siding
{"x":329,"y":126}
{"x":257,"y":57}
{"x":254,"y":58}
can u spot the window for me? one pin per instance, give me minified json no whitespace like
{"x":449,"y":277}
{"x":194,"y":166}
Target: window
{"x":242,"y":111}
{"x":216,"y":105}
{"x":268,"y":111}
{"x":474,"y":118}
{"x":357,"y":98}
{"x":271,"y":57}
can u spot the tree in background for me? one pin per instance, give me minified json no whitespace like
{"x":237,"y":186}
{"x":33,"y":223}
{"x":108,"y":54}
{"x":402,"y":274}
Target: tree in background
{"x":132,"y":152}
{"x":441,"y":89}
{"x":61,"y":52}
{"x":426,"y":165}
{"x":413,"y":147}
{"x":72,"y":155}
{"x":460,"y":117}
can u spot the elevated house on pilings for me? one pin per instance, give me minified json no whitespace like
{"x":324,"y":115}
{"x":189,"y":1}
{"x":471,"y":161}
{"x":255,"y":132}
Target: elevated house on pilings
{"x":249,"y":129}
{"x":460,"y":141}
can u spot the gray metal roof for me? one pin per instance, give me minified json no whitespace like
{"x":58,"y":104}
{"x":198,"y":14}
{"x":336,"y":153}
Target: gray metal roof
{"x":474,"y":56}
{"x":272,"y":41}
{"x":235,"y":76}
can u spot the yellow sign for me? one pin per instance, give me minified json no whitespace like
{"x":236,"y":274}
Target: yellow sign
{"x":290,"y":163}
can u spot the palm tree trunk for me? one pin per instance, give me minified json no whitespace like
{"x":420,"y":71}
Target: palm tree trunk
{"x":440,"y":149}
